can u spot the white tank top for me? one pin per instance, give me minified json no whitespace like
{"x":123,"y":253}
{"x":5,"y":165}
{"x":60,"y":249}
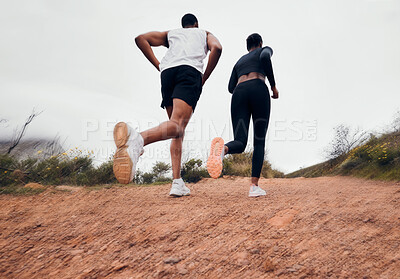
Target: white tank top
{"x":187,"y":46}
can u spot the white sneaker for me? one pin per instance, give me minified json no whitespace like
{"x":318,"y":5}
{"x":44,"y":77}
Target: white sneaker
{"x":129,"y":148}
{"x":256,"y":191}
{"x":179,"y":188}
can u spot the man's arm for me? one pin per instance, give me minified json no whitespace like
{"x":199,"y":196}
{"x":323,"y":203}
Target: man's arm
{"x":152,"y":39}
{"x":215,"y":52}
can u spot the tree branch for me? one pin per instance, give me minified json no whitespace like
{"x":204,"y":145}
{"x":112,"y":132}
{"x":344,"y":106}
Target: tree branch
{"x":17,"y":139}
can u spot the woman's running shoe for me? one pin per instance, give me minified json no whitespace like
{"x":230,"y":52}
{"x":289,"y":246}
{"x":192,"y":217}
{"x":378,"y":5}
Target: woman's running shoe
{"x":256,"y":191}
{"x":214,"y":162}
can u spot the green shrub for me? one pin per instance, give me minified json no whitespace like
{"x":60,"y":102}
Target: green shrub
{"x":74,"y":169}
{"x":277,"y":174}
{"x":375,"y":151}
{"x":105,"y":174}
{"x":157,"y":175}
{"x":361,"y":152}
{"x":192,"y":171}
{"x":378,"y":158}
{"x":160,"y":169}
{"x":268,"y":172}
{"x":238,"y":164}
{"x":18,"y":190}
{"x":85,"y":178}
{"x":47,"y":171}
{"x":350,"y":163}
{"x":241,"y":165}
{"x":162,"y":180}
{"x":148,"y":178}
{"x":7,"y":165}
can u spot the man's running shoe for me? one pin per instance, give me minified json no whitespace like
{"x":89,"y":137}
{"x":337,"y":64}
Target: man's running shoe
{"x":179,"y":188}
{"x":129,"y":148}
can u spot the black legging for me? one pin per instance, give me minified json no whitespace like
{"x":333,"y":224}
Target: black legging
{"x":250,"y":98}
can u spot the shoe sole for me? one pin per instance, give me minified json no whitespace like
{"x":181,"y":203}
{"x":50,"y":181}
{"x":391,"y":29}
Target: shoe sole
{"x":121,"y":134}
{"x":177,"y":195}
{"x":214,"y":162}
{"x":256,"y":195}
{"x":122,"y":162}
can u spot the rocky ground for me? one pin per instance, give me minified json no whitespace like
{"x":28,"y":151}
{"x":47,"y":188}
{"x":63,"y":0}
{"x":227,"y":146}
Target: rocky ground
{"x":328,"y":227}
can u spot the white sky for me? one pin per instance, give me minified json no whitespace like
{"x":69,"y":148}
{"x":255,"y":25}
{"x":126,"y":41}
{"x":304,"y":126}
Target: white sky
{"x":334,"y":61}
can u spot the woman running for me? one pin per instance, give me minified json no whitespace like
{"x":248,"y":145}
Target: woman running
{"x":250,"y":99}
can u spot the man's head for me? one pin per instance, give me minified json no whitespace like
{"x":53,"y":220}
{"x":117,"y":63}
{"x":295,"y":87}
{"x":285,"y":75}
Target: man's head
{"x":254,"y":41}
{"x":189,"y":20}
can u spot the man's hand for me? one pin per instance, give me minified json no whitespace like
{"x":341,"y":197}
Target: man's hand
{"x":215,"y":52}
{"x":152,"y":39}
{"x":275,"y":93}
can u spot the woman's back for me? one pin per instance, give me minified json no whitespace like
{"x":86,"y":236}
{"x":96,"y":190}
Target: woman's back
{"x":251,"y":62}
{"x":257,"y":61}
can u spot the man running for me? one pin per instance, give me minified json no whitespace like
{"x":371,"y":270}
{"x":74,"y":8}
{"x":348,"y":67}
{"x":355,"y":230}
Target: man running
{"x":182,"y":80}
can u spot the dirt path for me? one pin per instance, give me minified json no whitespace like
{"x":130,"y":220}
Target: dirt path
{"x":333,"y":227}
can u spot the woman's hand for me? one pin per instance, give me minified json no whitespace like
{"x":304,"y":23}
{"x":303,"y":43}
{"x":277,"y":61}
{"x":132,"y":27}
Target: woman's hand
{"x":275,"y":93}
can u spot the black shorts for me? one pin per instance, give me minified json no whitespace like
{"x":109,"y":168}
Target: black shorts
{"x":182,"y":82}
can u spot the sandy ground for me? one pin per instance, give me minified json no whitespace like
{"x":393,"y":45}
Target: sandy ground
{"x":328,"y":227}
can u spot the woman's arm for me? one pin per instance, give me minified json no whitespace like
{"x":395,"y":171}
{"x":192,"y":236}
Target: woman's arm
{"x":265,"y":58}
{"x":233,"y":81}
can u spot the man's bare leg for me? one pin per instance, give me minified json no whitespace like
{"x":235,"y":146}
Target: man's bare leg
{"x":174,"y":127}
{"x":176,"y":156}
{"x":176,"y":151}
{"x":127,"y":155}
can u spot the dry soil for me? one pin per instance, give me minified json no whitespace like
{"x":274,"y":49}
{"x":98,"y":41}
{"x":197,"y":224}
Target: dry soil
{"x":328,"y":227}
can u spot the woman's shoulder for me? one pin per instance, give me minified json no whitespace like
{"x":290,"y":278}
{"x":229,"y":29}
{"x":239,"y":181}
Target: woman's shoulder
{"x":244,"y":57}
{"x":267,"y":49}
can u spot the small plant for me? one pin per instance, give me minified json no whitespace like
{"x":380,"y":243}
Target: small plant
{"x":345,"y":139}
{"x":7,"y":166}
{"x":157,"y":175}
{"x":74,"y":167}
{"x":148,"y":178}
{"x":383,"y":154}
{"x":105,"y":174}
{"x":241,"y":165}
{"x":350,"y":163}
{"x":238,"y":164}
{"x":192,"y":171}
{"x":160,"y":169}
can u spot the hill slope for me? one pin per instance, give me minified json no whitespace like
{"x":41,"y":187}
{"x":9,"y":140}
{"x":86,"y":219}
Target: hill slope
{"x":379,"y":158}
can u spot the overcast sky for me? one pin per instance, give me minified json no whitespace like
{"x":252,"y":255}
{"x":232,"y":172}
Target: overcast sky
{"x":334,"y":61}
